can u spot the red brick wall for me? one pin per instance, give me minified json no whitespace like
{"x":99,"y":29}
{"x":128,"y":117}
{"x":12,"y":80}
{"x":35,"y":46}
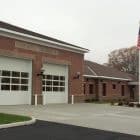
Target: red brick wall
{"x":115,"y":93}
{"x":136,"y":91}
{"x":111,"y":93}
{"x":38,"y":57}
{"x":87,"y":82}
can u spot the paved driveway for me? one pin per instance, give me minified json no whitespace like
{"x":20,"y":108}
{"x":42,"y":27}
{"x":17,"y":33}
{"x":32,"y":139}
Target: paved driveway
{"x":43,"y":130}
{"x":98,"y":116}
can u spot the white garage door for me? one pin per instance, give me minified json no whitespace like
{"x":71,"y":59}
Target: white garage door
{"x":15,"y":81}
{"x":55,"y":83}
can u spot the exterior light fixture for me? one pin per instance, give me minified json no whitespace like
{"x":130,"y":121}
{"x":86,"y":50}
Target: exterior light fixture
{"x":77,"y":75}
{"x":41,"y":72}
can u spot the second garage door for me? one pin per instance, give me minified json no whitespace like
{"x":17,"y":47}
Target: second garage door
{"x":55,"y":83}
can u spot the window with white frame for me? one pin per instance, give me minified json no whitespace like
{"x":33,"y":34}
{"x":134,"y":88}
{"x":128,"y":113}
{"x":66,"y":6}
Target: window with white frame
{"x":53,"y":83}
{"x":14,"y":81}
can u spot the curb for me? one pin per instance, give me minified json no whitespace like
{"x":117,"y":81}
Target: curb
{"x":33,"y":120}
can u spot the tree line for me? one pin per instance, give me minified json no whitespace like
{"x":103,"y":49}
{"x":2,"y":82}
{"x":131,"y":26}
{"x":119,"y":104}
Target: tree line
{"x":126,"y":60}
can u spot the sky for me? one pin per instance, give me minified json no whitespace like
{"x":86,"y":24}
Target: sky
{"x":98,"y":25}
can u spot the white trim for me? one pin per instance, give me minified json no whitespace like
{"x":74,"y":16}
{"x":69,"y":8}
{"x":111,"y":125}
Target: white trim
{"x":107,"y":77}
{"x":133,"y":83}
{"x":41,"y":41}
{"x":92,"y":71}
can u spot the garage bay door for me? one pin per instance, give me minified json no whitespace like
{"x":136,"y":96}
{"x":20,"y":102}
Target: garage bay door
{"x":55,"y":83}
{"x":15,"y":81}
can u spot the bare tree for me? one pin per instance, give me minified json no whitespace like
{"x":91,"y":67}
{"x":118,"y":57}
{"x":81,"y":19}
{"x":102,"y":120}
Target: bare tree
{"x":126,"y":59}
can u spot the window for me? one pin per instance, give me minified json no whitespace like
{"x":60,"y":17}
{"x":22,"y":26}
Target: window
{"x":5,"y":73}
{"x":48,"y":89}
{"x":113,"y":86}
{"x":24,"y":81}
{"x":104,"y":89}
{"x":48,"y":82}
{"x":53,"y":83}
{"x":24,"y":88}
{"x":15,"y":74}
{"x":48,"y":77}
{"x":62,"y":83}
{"x":5,"y":80}
{"x":84,"y":88}
{"x":24,"y":74}
{"x":122,"y":90}
{"x":55,"y":77}
{"x":62,"y":78}
{"x":91,"y":87}
{"x":62,"y":88}
{"x":15,"y":87}
{"x":5,"y":87}
{"x":14,"y":80}
{"x":87,"y":79}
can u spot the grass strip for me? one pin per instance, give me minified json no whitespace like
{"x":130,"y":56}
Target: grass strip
{"x":9,"y":118}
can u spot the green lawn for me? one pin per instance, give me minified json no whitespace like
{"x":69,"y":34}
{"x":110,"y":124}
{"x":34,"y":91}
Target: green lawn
{"x":8,"y":118}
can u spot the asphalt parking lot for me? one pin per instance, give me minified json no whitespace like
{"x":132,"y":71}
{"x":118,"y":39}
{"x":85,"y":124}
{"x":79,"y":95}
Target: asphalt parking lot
{"x":43,"y":130}
{"x":97,"y":116}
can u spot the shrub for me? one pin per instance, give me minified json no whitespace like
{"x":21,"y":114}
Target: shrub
{"x":96,"y":100}
{"x":138,"y":105}
{"x":131,"y":104}
{"x":126,"y":103}
{"x":120,"y":103}
{"x":119,"y":100}
{"x":87,"y":100}
{"x":112,"y":102}
{"x":93,"y":100}
{"x":124,"y":100}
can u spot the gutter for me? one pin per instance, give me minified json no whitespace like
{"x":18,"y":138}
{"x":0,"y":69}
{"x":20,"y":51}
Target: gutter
{"x":133,"y":83}
{"x":107,"y":77}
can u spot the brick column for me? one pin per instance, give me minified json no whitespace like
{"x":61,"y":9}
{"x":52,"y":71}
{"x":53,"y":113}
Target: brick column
{"x":96,"y":89}
{"x":99,"y":90}
{"x":37,"y":80}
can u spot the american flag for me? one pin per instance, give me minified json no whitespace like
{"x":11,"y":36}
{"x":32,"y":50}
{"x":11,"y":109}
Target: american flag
{"x":138,"y":45}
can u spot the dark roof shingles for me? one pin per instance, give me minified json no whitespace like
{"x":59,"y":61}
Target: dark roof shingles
{"x":24,"y":31}
{"x":102,"y":70}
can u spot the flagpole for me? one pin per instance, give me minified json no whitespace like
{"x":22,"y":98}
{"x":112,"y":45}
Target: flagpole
{"x":139,"y":71}
{"x":139,"y":77}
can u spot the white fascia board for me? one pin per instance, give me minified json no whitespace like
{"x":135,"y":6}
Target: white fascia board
{"x":107,"y":77}
{"x":40,"y":41}
{"x":133,"y":83}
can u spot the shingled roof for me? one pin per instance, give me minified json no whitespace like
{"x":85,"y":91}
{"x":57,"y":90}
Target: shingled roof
{"x":100,"y":71}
